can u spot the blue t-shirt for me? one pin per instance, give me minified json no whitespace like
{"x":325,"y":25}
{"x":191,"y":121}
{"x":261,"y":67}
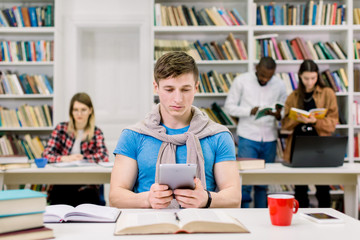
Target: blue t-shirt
{"x":144,"y":149}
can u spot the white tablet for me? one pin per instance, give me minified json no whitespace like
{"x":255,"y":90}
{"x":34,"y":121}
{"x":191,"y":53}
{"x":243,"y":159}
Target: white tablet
{"x":177,"y":176}
{"x":321,"y":217}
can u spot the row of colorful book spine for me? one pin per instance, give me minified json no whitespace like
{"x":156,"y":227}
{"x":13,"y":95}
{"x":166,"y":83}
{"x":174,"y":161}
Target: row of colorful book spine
{"x":26,"y":116}
{"x":185,"y":16}
{"x":230,"y":49}
{"x":41,"y":16}
{"x":297,"y":49}
{"x":337,"y":80}
{"x":12,"y":145}
{"x":310,"y":13}
{"x":27,"y":51}
{"x":12,"y":83}
{"x":214,"y":82}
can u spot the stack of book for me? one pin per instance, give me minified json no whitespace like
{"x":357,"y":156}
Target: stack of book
{"x":213,"y":82}
{"x":21,"y":215}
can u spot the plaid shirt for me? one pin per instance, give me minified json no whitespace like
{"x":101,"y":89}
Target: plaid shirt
{"x":60,"y":144}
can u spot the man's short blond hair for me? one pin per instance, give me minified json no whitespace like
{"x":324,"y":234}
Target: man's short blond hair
{"x":175,"y":64}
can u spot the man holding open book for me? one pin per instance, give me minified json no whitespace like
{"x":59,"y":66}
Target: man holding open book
{"x":175,"y":132}
{"x":249,"y":93}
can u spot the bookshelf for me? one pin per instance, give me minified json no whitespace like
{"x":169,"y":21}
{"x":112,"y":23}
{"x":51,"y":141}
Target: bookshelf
{"x":44,"y":36}
{"x":343,"y":34}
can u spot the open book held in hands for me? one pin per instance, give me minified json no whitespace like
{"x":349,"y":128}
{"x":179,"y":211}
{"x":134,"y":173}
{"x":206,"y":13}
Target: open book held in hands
{"x":183,"y":221}
{"x":262,"y":111}
{"x":81,"y":213}
{"x":250,"y":163}
{"x":318,"y":113}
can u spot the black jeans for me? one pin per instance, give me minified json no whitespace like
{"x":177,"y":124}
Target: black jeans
{"x":322,"y":195}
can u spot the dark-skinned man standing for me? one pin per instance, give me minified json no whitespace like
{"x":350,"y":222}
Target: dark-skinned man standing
{"x":257,"y":138}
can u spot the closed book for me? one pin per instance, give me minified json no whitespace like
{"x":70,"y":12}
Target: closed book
{"x":29,"y":234}
{"x":250,"y":163}
{"x":32,"y":16}
{"x":5,"y":159}
{"x":14,"y":166}
{"x":21,"y":202}
{"x":81,"y":213}
{"x":21,"y":222}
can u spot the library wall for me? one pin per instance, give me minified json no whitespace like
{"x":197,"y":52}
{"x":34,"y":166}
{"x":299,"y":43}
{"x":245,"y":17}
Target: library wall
{"x":105,"y":52}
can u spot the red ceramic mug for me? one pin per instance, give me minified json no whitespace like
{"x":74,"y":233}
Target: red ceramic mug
{"x":281,"y":208}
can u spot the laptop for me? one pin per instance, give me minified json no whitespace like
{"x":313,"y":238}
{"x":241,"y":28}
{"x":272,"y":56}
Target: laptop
{"x":316,"y":151}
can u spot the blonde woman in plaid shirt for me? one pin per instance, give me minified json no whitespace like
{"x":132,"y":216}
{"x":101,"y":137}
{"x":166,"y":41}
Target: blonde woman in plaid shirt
{"x":76,"y":140}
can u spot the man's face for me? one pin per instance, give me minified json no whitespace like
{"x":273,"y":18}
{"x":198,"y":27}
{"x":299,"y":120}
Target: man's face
{"x":176,"y":95}
{"x":264,"y":75}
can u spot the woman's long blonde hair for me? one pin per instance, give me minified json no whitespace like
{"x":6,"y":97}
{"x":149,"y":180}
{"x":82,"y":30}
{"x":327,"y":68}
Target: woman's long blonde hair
{"x":83,"y":98}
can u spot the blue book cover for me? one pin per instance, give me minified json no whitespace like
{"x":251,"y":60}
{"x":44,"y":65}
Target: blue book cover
{"x":33,"y":17}
{"x":237,"y":14}
{"x":19,"y":194}
{"x":258,"y":16}
{"x":47,"y":83}
{"x":265,"y":47}
{"x":270,"y":14}
{"x":314,"y":15}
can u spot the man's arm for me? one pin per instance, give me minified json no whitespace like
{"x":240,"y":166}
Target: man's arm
{"x":233,"y":99}
{"x":228,"y":182}
{"x":123,"y":177}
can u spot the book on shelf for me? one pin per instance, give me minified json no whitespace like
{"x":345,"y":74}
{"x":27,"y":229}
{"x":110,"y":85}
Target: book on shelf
{"x":250,"y":163}
{"x":183,"y":15}
{"x":81,"y":213}
{"x":318,"y":113}
{"x":29,"y":234}
{"x":183,"y":221}
{"x":262,"y":112}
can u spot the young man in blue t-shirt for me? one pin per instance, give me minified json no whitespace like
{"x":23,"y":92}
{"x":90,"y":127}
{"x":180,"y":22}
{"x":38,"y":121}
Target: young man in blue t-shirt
{"x":175,"y":132}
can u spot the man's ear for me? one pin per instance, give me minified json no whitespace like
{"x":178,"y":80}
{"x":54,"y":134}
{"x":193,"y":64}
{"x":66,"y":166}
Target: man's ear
{"x":156,"y":86}
{"x":197,"y":86}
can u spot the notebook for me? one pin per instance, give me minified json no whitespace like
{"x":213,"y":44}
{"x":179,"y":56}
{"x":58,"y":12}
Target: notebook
{"x":316,"y":151}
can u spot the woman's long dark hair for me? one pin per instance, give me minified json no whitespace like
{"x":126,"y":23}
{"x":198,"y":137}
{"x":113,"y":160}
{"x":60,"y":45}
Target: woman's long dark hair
{"x":307,"y":66}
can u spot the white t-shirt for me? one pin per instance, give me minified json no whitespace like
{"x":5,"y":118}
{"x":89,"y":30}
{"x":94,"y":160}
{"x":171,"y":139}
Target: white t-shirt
{"x":76,"y":148}
{"x":245,"y":94}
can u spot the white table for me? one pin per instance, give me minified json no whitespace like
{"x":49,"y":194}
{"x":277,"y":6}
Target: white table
{"x":275,"y":173}
{"x":256,"y":220}
{"x":347,"y":175}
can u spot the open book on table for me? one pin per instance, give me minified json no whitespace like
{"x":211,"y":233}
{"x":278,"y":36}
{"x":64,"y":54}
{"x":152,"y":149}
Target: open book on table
{"x":318,"y":113}
{"x":79,"y":163}
{"x":183,"y":221}
{"x":262,"y":111}
{"x":81,"y":213}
